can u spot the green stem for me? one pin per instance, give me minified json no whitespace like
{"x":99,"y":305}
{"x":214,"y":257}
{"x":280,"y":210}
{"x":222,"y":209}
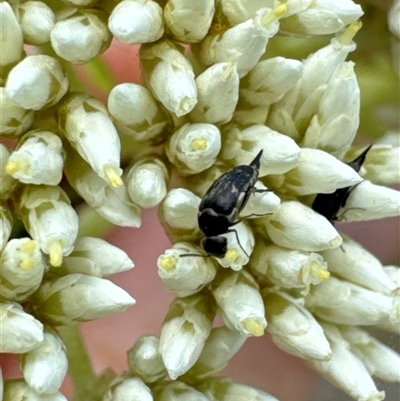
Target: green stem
{"x":80,"y":367}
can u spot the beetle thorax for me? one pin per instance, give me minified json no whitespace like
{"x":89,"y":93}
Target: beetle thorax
{"x":212,"y":223}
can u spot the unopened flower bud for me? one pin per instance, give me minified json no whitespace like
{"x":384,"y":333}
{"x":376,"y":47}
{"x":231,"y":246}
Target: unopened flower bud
{"x":217,"y":94}
{"x":81,"y":37}
{"x":37,"y":82}
{"x":38,"y":159}
{"x":354,"y":379}
{"x":185,"y":275}
{"x":322,"y":18}
{"x":36,"y":20}
{"x":147,"y":182}
{"x":112,"y":203}
{"x":50,"y":219}
{"x":15,"y":120}
{"x":175,"y":390}
{"x":296,"y":226}
{"x":194,"y":147}
{"x":100,"y":146}
{"x":368,"y":201}
{"x":306,"y":177}
{"x":289,"y":268}
{"x":18,"y":389}
{"x":45,"y":367}
{"x":221,"y":345}
{"x":12,"y":41}
{"x":20,"y":332}
{"x":95,"y":257}
{"x":136,"y":113}
{"x":280,"y":153}
{"x":22,"y":269}
{"x":126,"y":388}
{"x":5,"y":225}
{"x":225,"y":389}
{"x":354,"y":263}
{"x":144,"y":359}
{"x":341,"y":302}
{"x":393,"y":272}
{"x":261,"y":203}
{"x":178,"y":214}
{"x":189,"y":21}
{"x":240,"y":303}
{"x":77,"y":298}
{"x":293,"y":328}
{"x":185,"y":329}
{"x":169,"y":76}
{"x":7,"y":182}
{"x":137,"y":21}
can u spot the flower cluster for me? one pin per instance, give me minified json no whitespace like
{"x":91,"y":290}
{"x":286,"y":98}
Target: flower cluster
{"x":212,"y":98}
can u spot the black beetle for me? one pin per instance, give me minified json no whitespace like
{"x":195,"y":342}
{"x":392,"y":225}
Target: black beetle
{"x":329,"y":204}
{"x":221,"y":205}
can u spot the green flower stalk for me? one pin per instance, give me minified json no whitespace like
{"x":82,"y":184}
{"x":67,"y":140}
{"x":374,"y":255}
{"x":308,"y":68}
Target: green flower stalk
{"x":223,"y":81}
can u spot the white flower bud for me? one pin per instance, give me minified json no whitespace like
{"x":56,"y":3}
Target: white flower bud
{"x":22,"y":269}
{"x":14,"y":119}
{"x":293,"y":328}
{"x":45,"y":367}
{"x":169,"y":76}
{"x":112,"y":203}
{"x":346,"y":303}
{"x":393,"y":272}
{"x":240,"y":303}
{"x":95,"y":257}
{"x":136,"y":113}
{"x":127,"y":389}
{"x":50,"y":220}
{"x":12,"y":41}
{"x":380,"y":360}
{"x":280,"y":153}
{"x":261,"y":203}
{"x":36,"y":20}
{"x":220,"y":347}
{"x":244,"y":43}
{"x":289,"y":268}
{"x":37,"y":82}
{"x":5,"y":225}
{"x":239,"y":247}
{"x":335,"y":122}
{"x":17,"y":389}
{"x":189,"y":21}
{"x":345,"y":370}
{"x":217,"y":94}
{"x":296,"y":226}
{"x":137,"y":21}
{"x":20,"y":332}
{"x":7,"y":182}
{"x":147,"y":182}
{"x":144,"y":359}
{"x":269,"y":80}
{"x":100,"y":146}
{"x":322,"y":17}
{"x":185,"y":275}
{"x":354,"y":263}
{"x":368,"y":201}
{"x":381,"y":164}
{"x":38,"y":159}
{"x":177,"y":391}
{"x":179,"y":214}
{"x":77,"y":298}
{"x":81,"y":37}
{"x":184,"y":332}
{"x":194,"y":147}
{"x":306,"y":177}
{"x":225,"y":389}
{"x":393,"y":18}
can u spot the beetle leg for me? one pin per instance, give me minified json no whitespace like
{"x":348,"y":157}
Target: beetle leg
{"x":237,"y":239}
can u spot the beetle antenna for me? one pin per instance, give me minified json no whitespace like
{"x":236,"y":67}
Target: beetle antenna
{"x":185,"y":255}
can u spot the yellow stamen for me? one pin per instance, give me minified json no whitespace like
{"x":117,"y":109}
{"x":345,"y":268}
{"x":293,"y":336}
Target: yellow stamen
{"x":168,"y":263}
{"x":232,"y":255}
{"x":347,"y":36}
{"x":113,"y":175}
{"x":26,"y":264}
{"x":56,"y":255}
{"x":28,"y":247}
{"x":253,"y":326}
{"x":199,"y":144}
{"x":275,"y":14}
{"x":20,"y":165}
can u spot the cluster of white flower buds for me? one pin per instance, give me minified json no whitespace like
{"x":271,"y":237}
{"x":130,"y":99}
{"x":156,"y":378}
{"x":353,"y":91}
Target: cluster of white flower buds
{"x":286,"y":272}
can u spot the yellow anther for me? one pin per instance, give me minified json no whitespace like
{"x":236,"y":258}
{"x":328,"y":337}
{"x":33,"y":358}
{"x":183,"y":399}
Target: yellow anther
{"x":232,"y":255}
{"x":318,"y":272}
{"x":26,"y":264}
{"x":253,"y":326}
{"x":199,"y":144}
{"x":28,"y":247}
{"x":168,"y":263}
{"x":56,"y":255}
{"x":113,"y":176}
{"x":274,"y":15}
{"x":347,"y":36}
{"x":21,"y":165}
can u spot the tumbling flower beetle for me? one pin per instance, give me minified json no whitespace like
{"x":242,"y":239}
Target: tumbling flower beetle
{"x":221,"y":205}
{"x":329,"y":204}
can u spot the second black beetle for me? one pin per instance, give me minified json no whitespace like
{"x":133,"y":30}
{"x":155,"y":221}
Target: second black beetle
{"x":221,"y":205}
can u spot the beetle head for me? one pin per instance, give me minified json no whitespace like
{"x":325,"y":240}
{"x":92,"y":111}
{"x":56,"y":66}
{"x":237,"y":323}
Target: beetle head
{"x":215,"y":246}
{"x":212,"y":223}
